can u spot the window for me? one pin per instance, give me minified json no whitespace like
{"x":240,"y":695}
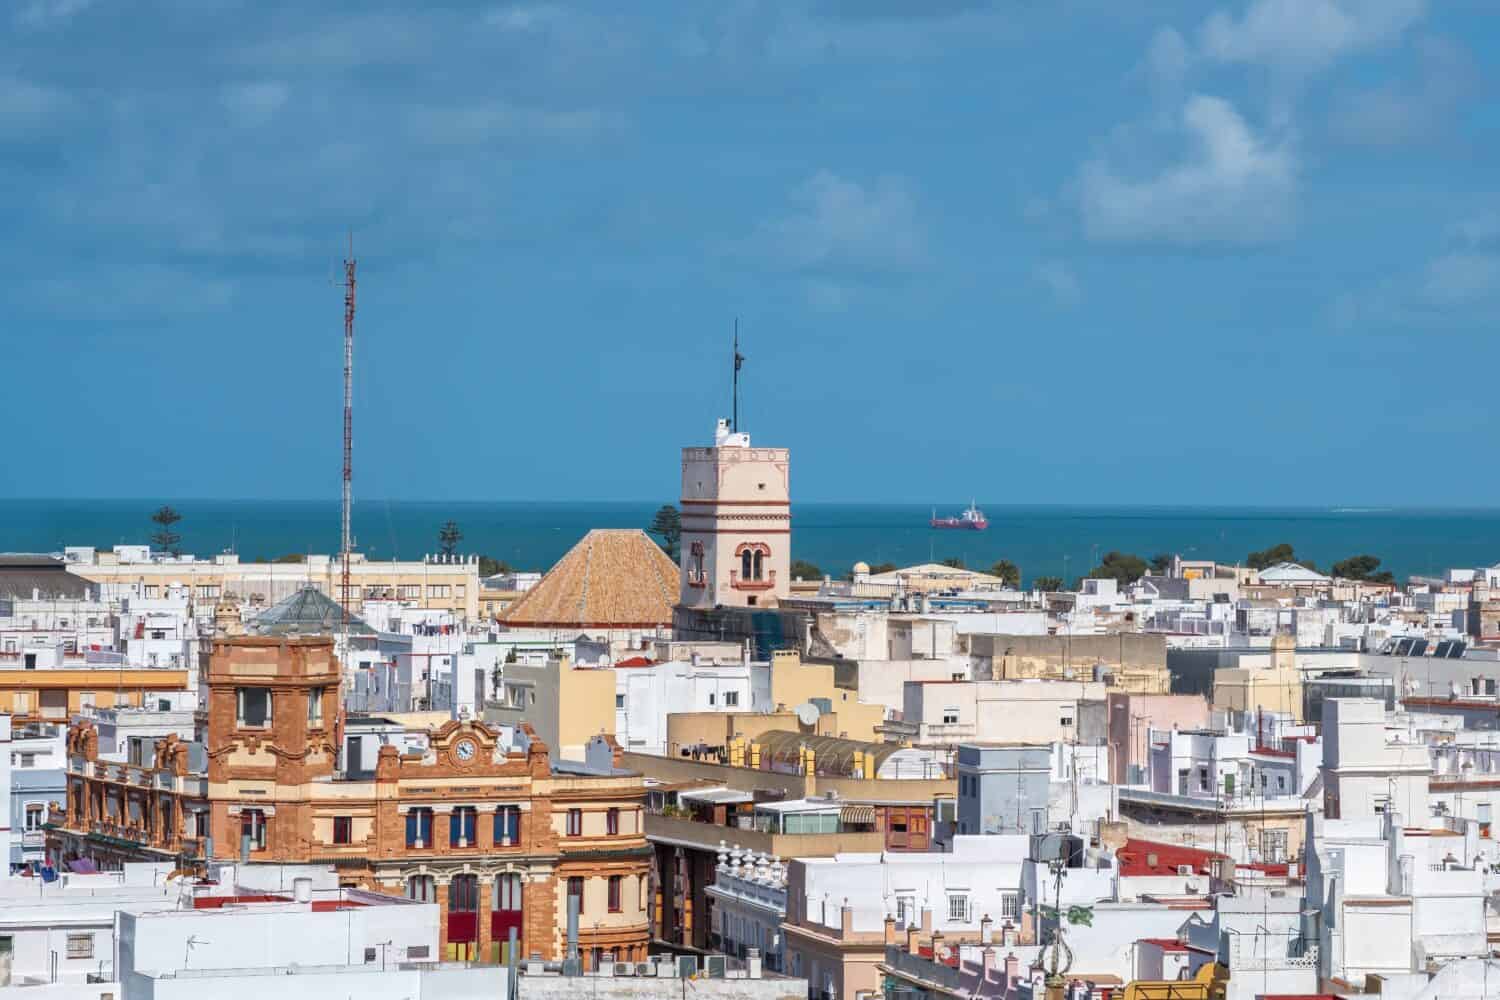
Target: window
{"x":508,"y":892}
{"x":208,"y":591}
{"x":315,"y":706}
{"x":253,"y":825}
{"x":461,"y":826}
{"x":85,"y":700}
{"x":422,"y":888}
{"x":458,"y":591}
{"x":371,"y":954}
{"x":36,"y":815}
{"x":153,"y":591}
{"x":575,"y":822}
{"x":950,"y":716}
{"x":80,"y":946}
{"x":20,"y":702}
{"x":619,"y":701}
{"x":731,"y":699}
{"x":1065,"y":720}
{"x":1202,"y":779}
{"x":906,"y":911}
{"x":158,"y":633}
{"x":463,"y":894}
{"x":1273,"y":845}
{"x":253,"y":707}
{"x":746,"y":565}
{"x":437,"y":590}
{"x":575,"y":891}
{"x":417,"y":952}
{"x":411,"y":591}
{"x":1281,"y":782}
{"x":507,"y":826}
{"x":1010,"y":906}
{"x":612,"y":822}
{"x":419,"y":828}
{"x":615,"y":882}
{"x":343,"y":829}
{"x":710,"y":697}
{"x":958,"y":908}
{"x":27,"y":760}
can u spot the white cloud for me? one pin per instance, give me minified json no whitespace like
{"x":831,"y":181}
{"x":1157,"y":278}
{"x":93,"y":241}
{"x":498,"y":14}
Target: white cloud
{"x":1168,"y":58}
{"x":1462,"y":278}
{"x":1233,"y":187}
{"x":46,"y":13}
{"x":1305,"y":36}
{"x":1060,"y":280}
{"x":255,"y":103}
{"x":1395,"y":114}
{"x":841,"y":224}
{"x":27,"y":108}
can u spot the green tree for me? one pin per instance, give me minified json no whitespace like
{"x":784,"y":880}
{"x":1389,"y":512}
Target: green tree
{"x":165,"y":537}
{"x":885,"y":567}
{"x":1161,"y":563}
{"x":449,"y":536}
{"x":804,"y":570}
{"x":1365,"y":567}
{"x":1266,"y":558}
{"x":953,"y":562}
{"x":1007,"y":571}
{"x":1048,"y":583}
{"x":490,"y":567}
{"x":1120,"y":566}
{"x":667,"y":527}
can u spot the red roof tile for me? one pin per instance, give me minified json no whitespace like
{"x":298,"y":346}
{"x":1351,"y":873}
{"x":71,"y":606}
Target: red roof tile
{"x":1136,"y":856}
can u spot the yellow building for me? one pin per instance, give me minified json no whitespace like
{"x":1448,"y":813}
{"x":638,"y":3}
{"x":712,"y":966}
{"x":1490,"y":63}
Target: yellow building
{"x":1275,"y":685}
{"x":434,"y":582}
{"x":793,"y":683}
{"x":55,"y":693}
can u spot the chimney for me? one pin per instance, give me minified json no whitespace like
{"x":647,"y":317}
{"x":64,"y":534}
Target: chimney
{"x":1012,"y":971}
{"x":846,"y":920}
{"x":986,"y":929}
{"x":911,"y":940}
{"x":890,"y":930}
{"x":926,"y":920}
{"x":937,"y":946}
{"x":986,"y":964}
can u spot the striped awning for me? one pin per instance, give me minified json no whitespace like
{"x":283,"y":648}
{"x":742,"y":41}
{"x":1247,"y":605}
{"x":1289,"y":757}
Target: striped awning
{"x":857,"y":815}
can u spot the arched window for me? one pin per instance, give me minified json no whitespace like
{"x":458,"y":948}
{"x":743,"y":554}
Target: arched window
{"x":508,"y":892}
{"x":422,"y":888}
{"x":759,"y":565}
{"x":747,"y":564}
{"x":463,"y":894}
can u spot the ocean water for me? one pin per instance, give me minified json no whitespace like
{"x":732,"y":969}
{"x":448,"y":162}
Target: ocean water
{"x":1043,"y":541}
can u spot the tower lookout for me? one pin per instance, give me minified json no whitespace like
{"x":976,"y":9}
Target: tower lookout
{"x":736,"y":523}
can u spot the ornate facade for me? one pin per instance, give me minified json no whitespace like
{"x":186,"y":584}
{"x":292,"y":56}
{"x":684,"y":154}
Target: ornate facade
{"x":498,"y":838}
{"x":736,"y":523}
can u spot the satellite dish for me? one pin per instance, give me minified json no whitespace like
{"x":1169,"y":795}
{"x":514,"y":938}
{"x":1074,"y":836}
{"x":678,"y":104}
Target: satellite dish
{"x":807,"y":713}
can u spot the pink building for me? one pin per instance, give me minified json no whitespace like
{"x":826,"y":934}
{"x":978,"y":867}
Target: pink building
{"x":1132,"y":716}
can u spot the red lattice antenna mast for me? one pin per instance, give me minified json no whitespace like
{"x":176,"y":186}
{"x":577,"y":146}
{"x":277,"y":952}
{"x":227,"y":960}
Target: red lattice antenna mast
{"x":346,"y":542}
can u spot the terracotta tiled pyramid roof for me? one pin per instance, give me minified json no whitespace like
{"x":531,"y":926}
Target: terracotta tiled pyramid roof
{"x":613,"y":578}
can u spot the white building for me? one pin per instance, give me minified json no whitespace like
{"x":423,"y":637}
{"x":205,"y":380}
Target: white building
{"x":647,"y":692}
{"x":749,"y":894}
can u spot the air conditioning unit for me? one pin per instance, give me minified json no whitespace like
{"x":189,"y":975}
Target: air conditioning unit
{"x":666,"y":970}
{"x":1184,"y":869}
{"x":645,"y":969}
{"x":687,"y":966}
{"x":714,"y":966}
{"x":624,"y":969}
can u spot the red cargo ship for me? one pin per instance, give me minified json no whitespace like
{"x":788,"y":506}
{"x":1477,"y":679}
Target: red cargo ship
{"x":972,"y":519}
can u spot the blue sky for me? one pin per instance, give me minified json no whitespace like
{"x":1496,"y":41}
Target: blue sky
{"x":1073,"y":251}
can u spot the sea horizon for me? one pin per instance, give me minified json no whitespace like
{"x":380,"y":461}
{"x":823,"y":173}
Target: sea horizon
{"x":1062,"y":540}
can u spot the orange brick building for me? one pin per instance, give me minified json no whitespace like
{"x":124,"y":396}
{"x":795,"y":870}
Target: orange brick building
{"x":498,"y":838}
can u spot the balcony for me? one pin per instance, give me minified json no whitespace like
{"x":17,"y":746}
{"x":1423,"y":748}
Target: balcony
{"x":697,"y":835}
{"x":736,"y":583}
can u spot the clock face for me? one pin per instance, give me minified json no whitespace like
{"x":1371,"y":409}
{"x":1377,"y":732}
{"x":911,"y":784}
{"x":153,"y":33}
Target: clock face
{"x":464,"y":750}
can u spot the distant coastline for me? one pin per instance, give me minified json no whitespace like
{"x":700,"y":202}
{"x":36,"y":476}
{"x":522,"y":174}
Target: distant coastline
{"x":1059,"y":541}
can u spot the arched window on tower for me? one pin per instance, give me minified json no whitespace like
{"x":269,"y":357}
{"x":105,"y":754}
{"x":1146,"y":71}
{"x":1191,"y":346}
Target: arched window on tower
{"x":759,"y":565}
{"x":747,"y":564}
